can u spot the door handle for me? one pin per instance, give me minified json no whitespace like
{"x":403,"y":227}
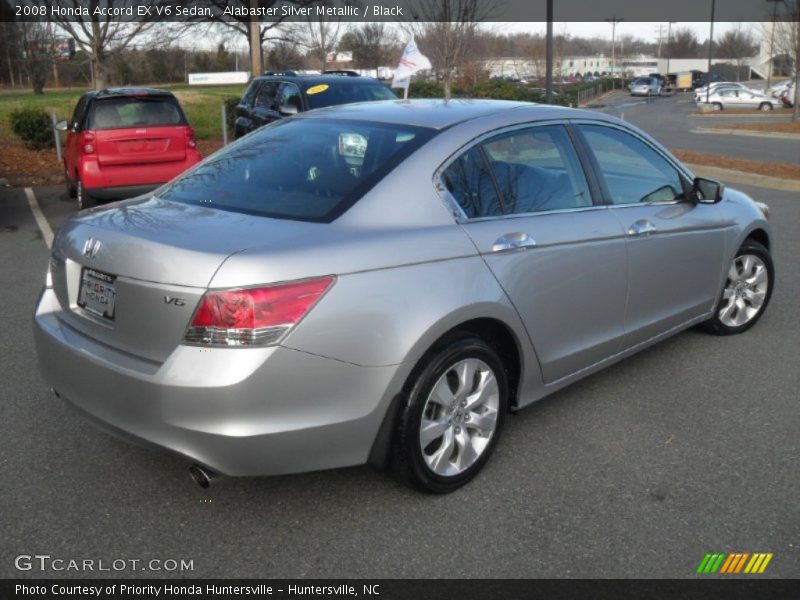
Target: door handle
{"x":513,"y":241}
{"x":642,"y":227}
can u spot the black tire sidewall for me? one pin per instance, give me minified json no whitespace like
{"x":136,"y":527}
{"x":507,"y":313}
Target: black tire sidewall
{"x":411,"y":417}
{"x":749,"y":247}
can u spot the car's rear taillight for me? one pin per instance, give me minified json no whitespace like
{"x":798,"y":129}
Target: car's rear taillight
{"x":254,"y":316}
{"x":87,"y":142}
{"x":190,"y":139}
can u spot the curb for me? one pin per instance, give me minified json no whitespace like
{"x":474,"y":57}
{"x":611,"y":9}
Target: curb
{"x":729,"y":115}
{"x":782,"y":135}
{"x":743,"y":177}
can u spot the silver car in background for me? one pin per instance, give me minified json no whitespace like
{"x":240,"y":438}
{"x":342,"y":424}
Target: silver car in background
{"x":381,"y":283}
{"x":726,"y":98}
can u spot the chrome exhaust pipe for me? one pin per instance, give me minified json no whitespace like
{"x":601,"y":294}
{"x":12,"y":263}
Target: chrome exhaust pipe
{"x":201,"y":476}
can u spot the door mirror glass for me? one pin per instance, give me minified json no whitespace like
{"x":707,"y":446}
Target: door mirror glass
{"x":707,"y":191}
{"x":287,"y":110}
{"x":62,"y":126}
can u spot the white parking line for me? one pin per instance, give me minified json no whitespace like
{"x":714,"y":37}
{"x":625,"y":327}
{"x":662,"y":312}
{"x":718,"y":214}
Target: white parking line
{"x":38,"y":215}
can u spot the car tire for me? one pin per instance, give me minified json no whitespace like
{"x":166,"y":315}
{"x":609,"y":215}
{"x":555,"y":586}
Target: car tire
{"x":717,"y":105}
{"x":765,"y":107}
{"x":443,"y":439}
{"x":746,"y":293}
{"x":72,"y":189}
{"x":84,"y":200}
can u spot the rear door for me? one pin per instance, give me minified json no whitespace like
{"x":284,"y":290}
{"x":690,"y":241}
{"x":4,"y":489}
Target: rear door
{"x":138,"y":130}
{"x":560,"y":258}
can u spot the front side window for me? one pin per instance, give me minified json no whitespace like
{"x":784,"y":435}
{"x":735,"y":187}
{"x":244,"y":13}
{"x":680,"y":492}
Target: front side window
{"x":301,"y":169}
{"x":633,"y":171}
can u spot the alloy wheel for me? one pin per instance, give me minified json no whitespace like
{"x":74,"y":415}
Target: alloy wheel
{"x":459,"y":417}
{"x":745,"y":290}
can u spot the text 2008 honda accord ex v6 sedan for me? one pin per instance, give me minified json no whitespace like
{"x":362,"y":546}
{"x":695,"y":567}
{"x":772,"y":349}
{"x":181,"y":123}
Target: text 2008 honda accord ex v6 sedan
{"x":381,"y":283}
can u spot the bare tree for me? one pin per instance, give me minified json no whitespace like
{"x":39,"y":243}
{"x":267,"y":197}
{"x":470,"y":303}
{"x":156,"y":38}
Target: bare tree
{"x":270,"y":31}
{"x":100,"y":36}
{"x":683,"y":44}
{"x":372,"y":45}
{"x":445,"y":31}
{"x":787,"y":42}
{"x":38,"y":48}
{"x":736,"y":44}
{"x":320,"y":36}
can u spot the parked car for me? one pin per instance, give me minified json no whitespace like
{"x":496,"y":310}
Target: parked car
{"x":382,"y":282}
{"x":700,"y":93}
{"x":736,"y":98}
{"x":122,"y":142}
{"x":645,"y":86}
{"x":787,"y":96}
{"x":777,"y":89}
{"x":281,"y":94}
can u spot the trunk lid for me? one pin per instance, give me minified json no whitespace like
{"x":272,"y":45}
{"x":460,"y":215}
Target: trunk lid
{"x":141,"y":145}
{"x":160,"y":257}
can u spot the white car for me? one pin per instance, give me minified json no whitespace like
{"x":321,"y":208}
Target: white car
{"x":700,"y":93}
{"x":777,"y":90}
{"x":737,"y":98}
{"x":645,"y":86}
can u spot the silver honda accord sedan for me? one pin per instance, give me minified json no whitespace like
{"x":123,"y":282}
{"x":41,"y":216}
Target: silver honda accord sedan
{"x":381,"y":283}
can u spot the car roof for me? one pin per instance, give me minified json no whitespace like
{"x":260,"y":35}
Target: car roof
{"x":130,"y":91}
{"x":441,"y":114}
{"x":306,"y":81}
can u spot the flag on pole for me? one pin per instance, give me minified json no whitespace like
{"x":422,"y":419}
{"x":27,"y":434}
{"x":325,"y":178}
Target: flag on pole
{"x":412,"y":61}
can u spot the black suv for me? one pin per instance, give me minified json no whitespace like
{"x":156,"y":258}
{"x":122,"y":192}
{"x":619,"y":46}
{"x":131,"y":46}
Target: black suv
{"x":276,"y":95}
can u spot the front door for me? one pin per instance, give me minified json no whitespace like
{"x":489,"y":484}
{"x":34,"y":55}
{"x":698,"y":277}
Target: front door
{"x":560,"y":258}
{"x":675,"y":245}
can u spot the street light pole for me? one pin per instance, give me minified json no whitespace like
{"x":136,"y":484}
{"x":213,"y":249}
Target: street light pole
{"x":548,"y":81}
{"x":669,"y":40}
{"x":613,"y":20}
{"x":710,"y":50}
{"x":772,"y":42}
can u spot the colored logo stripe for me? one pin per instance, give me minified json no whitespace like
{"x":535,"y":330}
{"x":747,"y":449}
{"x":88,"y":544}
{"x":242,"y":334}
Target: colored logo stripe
{"x":734,"y":562}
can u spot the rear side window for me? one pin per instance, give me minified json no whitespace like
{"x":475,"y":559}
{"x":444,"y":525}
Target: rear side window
{"x":301,"y":169}
{"x":121,"y":113}
{"x":346,"y":92}
{"x":520,"y":172}
{"x":537,"y":170}
{"x":266,"y":95}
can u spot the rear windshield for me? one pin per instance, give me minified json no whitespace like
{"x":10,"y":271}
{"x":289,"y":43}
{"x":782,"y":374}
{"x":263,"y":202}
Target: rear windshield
{"x":346,"y":92}
{"x":301,"y":169}
{"x":119,"y":113}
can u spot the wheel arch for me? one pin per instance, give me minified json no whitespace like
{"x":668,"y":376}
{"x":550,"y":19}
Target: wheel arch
{"x":497,"y":330}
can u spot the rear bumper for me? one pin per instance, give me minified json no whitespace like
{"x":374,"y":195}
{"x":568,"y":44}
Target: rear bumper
{"x":120,"y":192}
{"x":261,"y":411}
{"x":97,"y":178}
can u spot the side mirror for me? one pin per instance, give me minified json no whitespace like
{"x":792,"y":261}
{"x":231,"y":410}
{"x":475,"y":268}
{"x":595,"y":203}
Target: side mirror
{"x":62,"y":126}
{"x":707,"y":191}
{"x":287,"y":109}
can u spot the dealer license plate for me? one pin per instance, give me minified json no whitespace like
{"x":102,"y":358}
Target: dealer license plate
{"x":97,"y":293}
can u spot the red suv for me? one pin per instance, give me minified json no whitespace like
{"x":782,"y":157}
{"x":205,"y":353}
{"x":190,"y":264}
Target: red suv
{"x":122,"y":142}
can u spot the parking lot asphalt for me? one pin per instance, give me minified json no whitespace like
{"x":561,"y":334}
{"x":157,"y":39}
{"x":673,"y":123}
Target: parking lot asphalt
{"x":638,"y":471}
{"x":671,"y":120}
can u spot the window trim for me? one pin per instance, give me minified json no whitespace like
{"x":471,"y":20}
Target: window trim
{"x":686,"y":176}
{"x":458,"y":212}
